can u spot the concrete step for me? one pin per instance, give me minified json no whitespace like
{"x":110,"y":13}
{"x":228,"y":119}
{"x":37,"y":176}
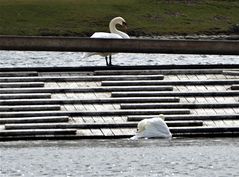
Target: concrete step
{"x":93,"y":125}
{"x":231,"y":72}
{"x":90,"y":101}
{"x":35,"y":132}
{"x":235,"y":87}
{"x":178,"y":105}
{"x":176,"y":94}
{"x":25,"y":96}
{"x":21,"y":84}
{"x":86,"y":89}
{"x":80,"y":78}
{"x":18,"y":74}
{"x":48,"y":119}
{"x":205,"y":131}
{"x":187,"y":117}
{"x":93,"y":113}
{"x":158,"y":71}
{"x":67,"y":134}
{"x":170,"y":82}
{"x":29,"y":108}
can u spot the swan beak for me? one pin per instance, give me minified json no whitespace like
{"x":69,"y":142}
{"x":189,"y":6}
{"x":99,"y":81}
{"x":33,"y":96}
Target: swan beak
{"x":125,"y":25}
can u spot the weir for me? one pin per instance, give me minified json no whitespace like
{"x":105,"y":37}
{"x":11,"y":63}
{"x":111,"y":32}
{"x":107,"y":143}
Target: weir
{"x":107,"y":102}
{"x":195,"y":102}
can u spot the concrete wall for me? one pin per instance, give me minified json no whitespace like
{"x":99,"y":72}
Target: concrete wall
{"x":32,"y":43}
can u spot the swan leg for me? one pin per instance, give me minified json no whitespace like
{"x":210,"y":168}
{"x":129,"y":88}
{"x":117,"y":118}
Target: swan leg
{"x":110,"y":63}
{"x":106,"y":60}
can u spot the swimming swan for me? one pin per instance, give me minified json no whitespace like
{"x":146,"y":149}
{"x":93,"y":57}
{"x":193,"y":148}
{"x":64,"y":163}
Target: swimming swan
{"x":114,"y":33}
{"x":152,"y":128}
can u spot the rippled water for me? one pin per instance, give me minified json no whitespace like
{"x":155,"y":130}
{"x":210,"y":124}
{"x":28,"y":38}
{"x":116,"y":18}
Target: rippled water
{"x":177,"y":157}
{"x":41,"y":59}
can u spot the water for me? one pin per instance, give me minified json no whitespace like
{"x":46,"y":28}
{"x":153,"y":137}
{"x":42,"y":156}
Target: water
{"x":41,"y":59}
{"x":176,"y":157}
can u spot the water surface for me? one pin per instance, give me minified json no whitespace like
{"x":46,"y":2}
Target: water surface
{"x":42,"y":59}
{"x":176,"y":157}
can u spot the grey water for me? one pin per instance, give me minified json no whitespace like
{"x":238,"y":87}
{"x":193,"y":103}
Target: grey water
{"x":176,"y":157}
{"x":52,"y":59}
{"x":157,"y":157}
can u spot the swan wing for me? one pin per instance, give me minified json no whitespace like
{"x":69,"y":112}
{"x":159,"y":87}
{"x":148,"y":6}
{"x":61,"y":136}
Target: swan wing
{"x":105,"y":35}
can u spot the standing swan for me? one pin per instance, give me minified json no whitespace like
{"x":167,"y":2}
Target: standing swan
{"x":114,"y":33}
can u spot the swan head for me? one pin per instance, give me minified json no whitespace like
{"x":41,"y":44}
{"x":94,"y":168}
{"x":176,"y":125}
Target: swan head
{"x":118,"y":21}
{"x":162,"y":116}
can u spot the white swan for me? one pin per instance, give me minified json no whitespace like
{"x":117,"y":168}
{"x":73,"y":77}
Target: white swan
{"x":152,"y":128}
{"x":114,"y":33}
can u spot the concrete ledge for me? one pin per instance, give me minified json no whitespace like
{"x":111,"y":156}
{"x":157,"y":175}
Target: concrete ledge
{"x":200,"y":130}
{"x":89,"y":101}
{"x":39,"y":43}
{"x":94,"y":125}
{"x":21,"y":85}
{"x":18,"y":74}
{"x":231,"y":73}
{"x":34,"y":120}
{"x":235,"y":87}
{"x":29,"y":108}
{"x":154,"y":72}
{"x":176,"y":132}
{"x":178,"y":105}
{"x":24,"y":96}
{"x":80,"y":78}
{"x":33,"y":132}
{"x":94,"y":113}
{"x":139,"y":67}
{"x":86,"y":89}
{"x":172,"y":94}
{"x":170,"y":82}
{"x":187,"y":117}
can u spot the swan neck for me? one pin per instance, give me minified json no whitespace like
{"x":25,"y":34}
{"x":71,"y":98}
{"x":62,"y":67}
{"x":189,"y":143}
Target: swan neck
{"x":113,"y":29}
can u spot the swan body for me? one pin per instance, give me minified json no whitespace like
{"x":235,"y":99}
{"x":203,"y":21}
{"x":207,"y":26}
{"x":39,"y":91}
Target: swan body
{"x":114,"y":34}
{"x":152,"y":128}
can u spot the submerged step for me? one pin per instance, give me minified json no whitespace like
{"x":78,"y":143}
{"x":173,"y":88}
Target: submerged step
{"x":94,"y":113}
{"x":187,"y":117}
{"x":34,"y":132}
{"x":86,"y":89}
{"x":89,"y":101}
{"x":171,"y":82}
{"x":21,"y":85}
{"x":81,"y":78}
{"x":176,"y":93}
{"x":18,"y":74}
{"x":178,"y":105}
{"x":25,"y":96}
{"x":94,"y":125}
{"x":34,"y":119}
{"x":29,"y":108}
